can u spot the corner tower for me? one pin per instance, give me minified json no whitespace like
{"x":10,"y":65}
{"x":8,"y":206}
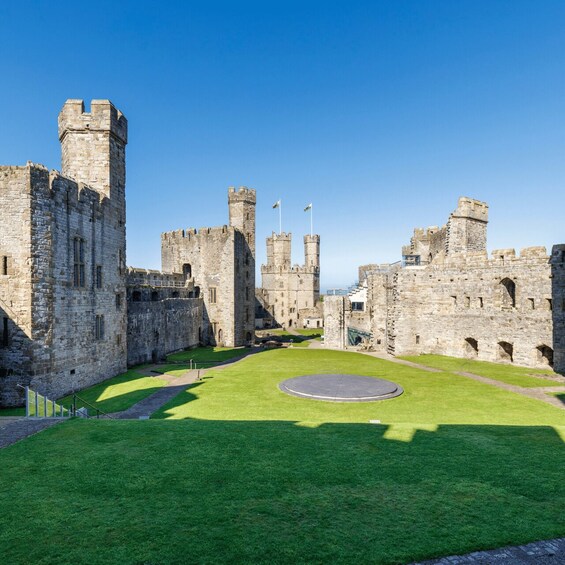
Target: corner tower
{"x":241,"y":205}
{"x":467,"y":227}
{"x":93,"y":146}
{"x":312,"y":251}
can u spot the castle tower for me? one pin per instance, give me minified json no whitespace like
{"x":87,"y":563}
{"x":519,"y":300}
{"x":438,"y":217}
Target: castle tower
{"x":467,"y":227}
{"x":241,"y":205}
{"x":281,"y":249}
{"x":93,"y":147}
{"x":311,"y":251}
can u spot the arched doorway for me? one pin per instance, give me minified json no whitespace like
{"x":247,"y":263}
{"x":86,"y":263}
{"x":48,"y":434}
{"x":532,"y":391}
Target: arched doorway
{"x":545,"y":355}
{"x":508,"y":293}
{"x":505,"y":351}
{"x":471,"y":347}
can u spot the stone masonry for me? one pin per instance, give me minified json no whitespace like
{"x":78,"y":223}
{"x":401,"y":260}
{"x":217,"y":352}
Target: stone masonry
{"x":449,"y":297}
{"x":221,"y":261}
{"x":290,"y":294}
{"x":71,"y":314}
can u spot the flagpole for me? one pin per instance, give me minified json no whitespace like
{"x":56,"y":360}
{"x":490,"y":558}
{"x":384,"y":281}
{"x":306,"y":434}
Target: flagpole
{"x":311,"y":220}
{"x":280,"y":216}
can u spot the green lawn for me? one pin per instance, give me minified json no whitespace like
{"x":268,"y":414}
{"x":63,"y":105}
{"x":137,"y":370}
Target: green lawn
{"x":510,"y":374}
{"x":208,"y":354}
{"x":241,"y":473}
{"x":118,"y":393}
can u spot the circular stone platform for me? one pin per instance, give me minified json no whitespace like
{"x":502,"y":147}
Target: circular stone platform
{"x":341,"y":388}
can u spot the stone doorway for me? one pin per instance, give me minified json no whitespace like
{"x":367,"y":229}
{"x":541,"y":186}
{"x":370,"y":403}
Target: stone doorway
{"x":505,"y":351}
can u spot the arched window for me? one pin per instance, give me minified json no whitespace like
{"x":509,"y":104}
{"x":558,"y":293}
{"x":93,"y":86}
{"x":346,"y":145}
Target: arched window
{"x":505,"y":351}
{"x":508,"y":293}
{"x":187,"y":270}
{"x":220,"y":336}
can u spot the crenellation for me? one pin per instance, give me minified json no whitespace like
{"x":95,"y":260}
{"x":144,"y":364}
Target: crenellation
{"x":463,"y":302}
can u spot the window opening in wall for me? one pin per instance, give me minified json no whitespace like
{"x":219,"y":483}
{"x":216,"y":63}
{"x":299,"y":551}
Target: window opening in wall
{"x":118,"y":301}
{"x":78,"y":262}
{"x":454,"y":300}
{"x":187,"y":270}
{"x":549,"y":304}
{"x":99,"y":327}
{"x":196,"y":292}
{"x":212,"y":295}
{"x":508,"y":293}
{"x":357,"y":306}
{"x":545,"y":355}
{"x":220,"y":335}
{"x":175,"y":294}
{"x":481,"y":304}
{"x":471,"y":347}
{"x":467,"y":302}
{"x":505,"y":351}
{"x":136,"y":296}
{"x":248,"y":337}
{"x":119,"y":339}
{"x":417,"y":339}
{"x":154,"y":296}
{"x":98,"y":276}
{"x":532,"y":303}
{"x":5,"y":335}
{"x":4,"y":265}
{"x":120,"y":261}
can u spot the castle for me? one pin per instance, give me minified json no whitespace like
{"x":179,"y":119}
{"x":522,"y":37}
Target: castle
{"x":290,"y":294}
{"x":448,"y":297}
{"x":71,"y":313}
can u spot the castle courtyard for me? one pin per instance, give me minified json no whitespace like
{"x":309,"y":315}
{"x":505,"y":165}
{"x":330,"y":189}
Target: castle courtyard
{"x":231,"y":469}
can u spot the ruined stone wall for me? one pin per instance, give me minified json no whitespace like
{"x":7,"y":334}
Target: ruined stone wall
{"x":463,"y":308}
{"x":163,"y":315}
{"x":558,"y":311}
{"x":336,"y":319}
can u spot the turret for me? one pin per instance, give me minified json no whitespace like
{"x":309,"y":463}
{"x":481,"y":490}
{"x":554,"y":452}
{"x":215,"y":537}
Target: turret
{"x":311,"y":251}
{"x":467,"y":227}
{"x":241,"y":205}
{"x":281,"y":249}
{"x":93,"y":147}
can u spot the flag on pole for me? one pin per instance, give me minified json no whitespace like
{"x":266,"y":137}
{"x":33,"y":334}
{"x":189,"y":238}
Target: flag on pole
{"x":309,"y":207}
{"x":277,"y":204}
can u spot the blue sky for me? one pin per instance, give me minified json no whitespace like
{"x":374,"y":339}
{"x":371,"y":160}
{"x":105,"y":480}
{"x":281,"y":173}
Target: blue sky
{"x":380,"y":113}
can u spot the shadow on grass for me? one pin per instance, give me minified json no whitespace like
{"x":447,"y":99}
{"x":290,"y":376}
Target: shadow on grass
{"x":279,"y":492}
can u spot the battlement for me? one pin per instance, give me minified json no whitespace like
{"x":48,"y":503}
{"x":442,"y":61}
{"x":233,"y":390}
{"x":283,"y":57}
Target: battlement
{"x":280,"y":236}
{"x":154,"y":278}
{"x":471,"y":208}
{"x":243,"y":194}
{"x":103,"y":116}
{"x":191,"y":233}
{"x":312,"y":238}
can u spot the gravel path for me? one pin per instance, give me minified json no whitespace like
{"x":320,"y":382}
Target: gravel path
{"x":14,"y":429}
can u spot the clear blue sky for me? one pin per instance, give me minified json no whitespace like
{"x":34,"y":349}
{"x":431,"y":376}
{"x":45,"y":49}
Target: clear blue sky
{"x":380,"y":113}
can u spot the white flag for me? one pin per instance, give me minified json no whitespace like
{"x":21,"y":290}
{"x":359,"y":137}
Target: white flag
{"x":309,"y":207}
{"x":277,"y":204}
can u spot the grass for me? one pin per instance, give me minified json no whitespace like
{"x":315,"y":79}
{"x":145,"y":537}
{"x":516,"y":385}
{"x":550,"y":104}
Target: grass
{"x":208,"y":354}
{"x":509,"y":374}
{"x":235,"y":471}
{"x":118,"y":393}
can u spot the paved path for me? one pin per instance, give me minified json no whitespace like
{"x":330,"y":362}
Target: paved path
{"x":539,"y":393}
{"x":14,"y":429}
{"x":550,"y":552}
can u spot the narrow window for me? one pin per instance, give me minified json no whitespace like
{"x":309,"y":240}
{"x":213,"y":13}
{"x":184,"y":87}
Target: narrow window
{"x":5,"y":336}
{"x":4,"y":265}
{"x":120,"y":261}
{"x":119,"y":339}
{"x":532,"y":303}
{"x":454,"y":300}
{"x":467,"y":302}
{"x":118,"y":301}
{"x":78,"y":263}
{"x":481,"y":304}
{"x":99,"y":327}
{"x":417,"y":339}
{"x":98,"y":276}
{"x":212,"y":295}
{"x":549,"y":304}
{"x":508,"y":293}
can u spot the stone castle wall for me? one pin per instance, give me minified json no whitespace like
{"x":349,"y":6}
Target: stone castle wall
{"x":455,"y":300}
{"x":163,"y":315}
{"x":222,"y":262}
